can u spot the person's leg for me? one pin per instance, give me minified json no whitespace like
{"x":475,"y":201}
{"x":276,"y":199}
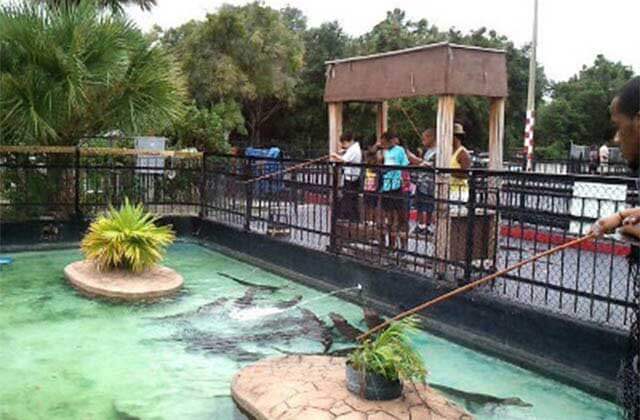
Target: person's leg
{"x":403,"y":221}
{"x":355,"y":200}
{"x":421,"y":207}
{"x":393,"y":229}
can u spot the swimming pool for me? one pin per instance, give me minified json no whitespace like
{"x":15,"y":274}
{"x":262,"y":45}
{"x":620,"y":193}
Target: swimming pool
{"x":68,"y":357}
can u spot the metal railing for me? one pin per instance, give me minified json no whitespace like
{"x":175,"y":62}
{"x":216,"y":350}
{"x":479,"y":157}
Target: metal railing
{"x":479,"y":221}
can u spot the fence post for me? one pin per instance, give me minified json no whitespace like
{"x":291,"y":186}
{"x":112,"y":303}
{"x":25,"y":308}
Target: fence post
{"x":76,"y":176}
{"x":248,"y":194}
{"x":470,"y":240}
{"x":203,"y":186}
{"x":335,"y":186}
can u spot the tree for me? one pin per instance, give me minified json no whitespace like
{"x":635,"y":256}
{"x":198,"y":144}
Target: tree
{"x":116,"y":6}
{"x":206,"y":129}
{"x":576,"y":112}
{"x":71,"y":72}
{"x":248,"y":54}
{"x":304,"y":125}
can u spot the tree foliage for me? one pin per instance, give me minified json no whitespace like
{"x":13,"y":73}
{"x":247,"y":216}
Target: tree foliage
{"x":115,"y":6}
{"x":206,"y":129}
{"x":77,"y":71}
{"x":576,"y":112}
{"x":248,"y":54}
{"x":306,"y":125}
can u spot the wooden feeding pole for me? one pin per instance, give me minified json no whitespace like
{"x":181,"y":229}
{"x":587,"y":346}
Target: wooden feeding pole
{"x":284,"y":171}
{"x":473,"y":285}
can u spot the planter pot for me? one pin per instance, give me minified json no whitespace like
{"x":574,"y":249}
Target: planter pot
{"x":372,"y":386}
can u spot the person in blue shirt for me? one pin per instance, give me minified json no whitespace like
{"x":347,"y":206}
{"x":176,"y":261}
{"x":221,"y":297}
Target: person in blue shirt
{"x":394,"y":199}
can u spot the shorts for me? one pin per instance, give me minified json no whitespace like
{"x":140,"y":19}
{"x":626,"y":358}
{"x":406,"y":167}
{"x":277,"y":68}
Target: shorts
{"x":425,"y":203}
{"x":394,"y":200}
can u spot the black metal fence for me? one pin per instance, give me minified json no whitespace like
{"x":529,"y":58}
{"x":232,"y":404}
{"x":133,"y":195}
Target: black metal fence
{"x":447,"y":225}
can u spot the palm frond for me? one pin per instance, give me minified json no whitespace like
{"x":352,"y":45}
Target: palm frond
{"x":126,"y":238}
{"x":392,"y":354}
{"x":73,"y":71}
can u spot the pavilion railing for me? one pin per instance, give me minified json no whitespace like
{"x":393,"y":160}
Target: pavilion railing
{"x":494,"y":220}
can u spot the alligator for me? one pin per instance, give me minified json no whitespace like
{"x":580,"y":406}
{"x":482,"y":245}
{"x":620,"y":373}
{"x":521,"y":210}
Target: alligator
{"x":207,"y":308}
{"x":316,"y":329}
{"x":347,"y":330}
{"x":371,"y":318}
{"x":249,"y":284}
{"x":289,"y":303}
{"x":247,"y":299}
{"x":473,"y":399}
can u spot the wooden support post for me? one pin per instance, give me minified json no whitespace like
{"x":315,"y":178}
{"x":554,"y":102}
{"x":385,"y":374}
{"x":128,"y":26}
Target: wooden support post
{"x":335,"y":125}
{"x":382,"y":112}
{"x":496,"y":145}
{"x":446,"y":113}
{"x":496,"y":133}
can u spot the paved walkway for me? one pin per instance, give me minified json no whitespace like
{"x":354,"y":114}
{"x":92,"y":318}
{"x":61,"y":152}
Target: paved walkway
{"x":313,"y":388}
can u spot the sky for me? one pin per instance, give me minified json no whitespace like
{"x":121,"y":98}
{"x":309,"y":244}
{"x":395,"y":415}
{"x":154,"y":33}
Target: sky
{"x":571,"y":32}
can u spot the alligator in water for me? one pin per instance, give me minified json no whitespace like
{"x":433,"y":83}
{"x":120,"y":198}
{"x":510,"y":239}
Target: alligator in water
{"x":289,"y":303}
{"x":347,"y":330}
{"x":247,"y":298}
{"x":371,"y":318}
{"x":316,"y":329}
{"x":207,"y":308}
{"x":279,"y":329}
{"x":473,"y":400}
{"x":249,"y":284}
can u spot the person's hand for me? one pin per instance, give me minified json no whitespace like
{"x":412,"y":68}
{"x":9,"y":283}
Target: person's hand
{"x":605,"y":224}
{"x":597,"y":228}
{"x":631,"y":226}
{"x":335,"y":156}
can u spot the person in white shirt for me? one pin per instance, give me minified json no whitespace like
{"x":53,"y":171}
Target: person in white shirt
{"x":604,"y":158}
{"x":348,"y":208}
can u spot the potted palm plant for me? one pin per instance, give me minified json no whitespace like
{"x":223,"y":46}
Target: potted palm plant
{"x":376,"y":368}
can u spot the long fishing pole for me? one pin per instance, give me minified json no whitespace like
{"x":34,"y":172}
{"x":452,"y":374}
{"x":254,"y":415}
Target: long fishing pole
{"x":473,"y":285}
{"x":284,"y":171}
{"x":406,"y":114}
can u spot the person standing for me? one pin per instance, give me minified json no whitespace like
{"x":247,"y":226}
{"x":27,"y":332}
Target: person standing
{"x":425,"y":184}
{"x":394,"y":201}
{"x":372,"y":183}
{"x":461,"y":160}
{"x":625,"y":114}
{"x":603,"y":153}
{"x":349,"y":208}
{"x":594,"y":159}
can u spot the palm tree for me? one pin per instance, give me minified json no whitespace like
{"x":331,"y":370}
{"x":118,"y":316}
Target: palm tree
{"x":116,"y":6}
{"x":69,"y":72}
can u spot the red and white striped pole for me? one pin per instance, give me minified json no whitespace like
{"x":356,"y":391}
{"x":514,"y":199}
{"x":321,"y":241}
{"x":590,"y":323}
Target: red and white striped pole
{"x":531,"y":94}
{"x":528,"y":137}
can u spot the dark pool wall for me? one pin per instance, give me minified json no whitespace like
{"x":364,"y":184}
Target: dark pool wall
{"x":43,"y":234}
{"x":580,"y":354}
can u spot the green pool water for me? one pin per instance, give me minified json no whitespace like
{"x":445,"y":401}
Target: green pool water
{"x":67,"y":357}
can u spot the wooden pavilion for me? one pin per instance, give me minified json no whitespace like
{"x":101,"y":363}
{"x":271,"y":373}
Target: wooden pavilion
{"x":444,"y":70}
